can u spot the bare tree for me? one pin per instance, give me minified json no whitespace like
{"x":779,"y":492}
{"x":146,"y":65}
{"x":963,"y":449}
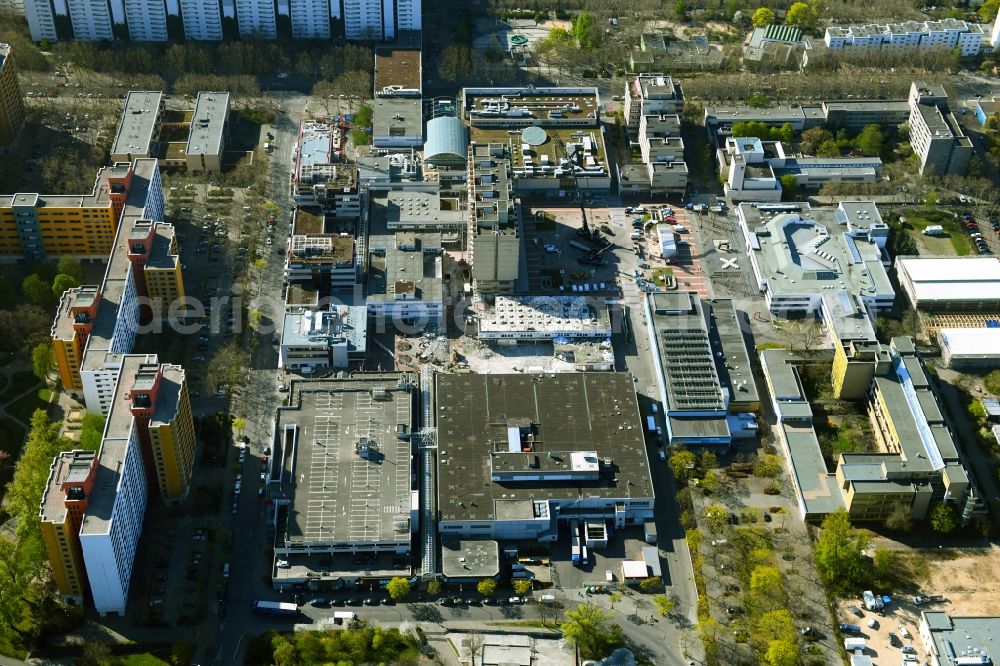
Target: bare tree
{"x":473,"y":646}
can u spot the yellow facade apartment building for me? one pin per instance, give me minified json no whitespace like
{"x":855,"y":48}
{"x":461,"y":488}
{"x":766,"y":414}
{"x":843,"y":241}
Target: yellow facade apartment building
{"x":71,"y":480}
{"x":11,"y":101}
{"x":35,"y":226}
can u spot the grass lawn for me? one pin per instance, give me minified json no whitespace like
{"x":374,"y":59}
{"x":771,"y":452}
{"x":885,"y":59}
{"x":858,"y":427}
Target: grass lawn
{"x":660,"y":275}
{"x":144,"y":659}
{"x":955,"y":233}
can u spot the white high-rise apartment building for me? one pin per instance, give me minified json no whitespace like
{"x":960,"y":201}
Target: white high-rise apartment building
{"x":12,"y":6}
{"x":408,"y":15}
{"x":91,"y":20}
{"x":202,"y":20}
{"x":147,"y":20}
{"x":41,"y":17}
{"x":112,"y":524}
{"x":311,"y":19}
{"x":363,"y":19}
{"x":257,"y":18}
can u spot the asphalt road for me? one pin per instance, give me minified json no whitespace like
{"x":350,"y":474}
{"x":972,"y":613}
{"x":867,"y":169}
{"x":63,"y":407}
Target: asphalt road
{"x":222,"y":634}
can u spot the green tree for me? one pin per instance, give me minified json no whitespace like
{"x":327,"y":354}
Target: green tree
{"x":398,"y":588}
{"x":42,"y":360}
{"x":977,"y":411}
{"x":91,"y":431}
{"x":776,"y":625}
{"x":716,"y":516}
{"x":839,"y":553}
{"x":813,"y":138}
{"x":592,"y":630}
{"x":752,"y":128}
{"x":522,"y":586}
{"x":883,"y":562}
{"x":800,"y":14}
{"x":992,"y":382}
{"x":681,"y":463}
{"x":943,"y":519}
{"x":785,"y":133}
{"x":37,"y":290}
{"x":487,"y":587}
{"x":758,"y":100}
{"x":708,"y":460}
{"x":71,"y":266}
{"x":765,"y":580}
{"x":680,"y":8}
{"x":63,"y":282}
{"x":557,"y":38}
{"x":664,"y":604}
{"x":710,"y":482}
{"x":789,"y":186}
{"x":930,"y":200}
{"x":828,"y":148}
{"x":586,"y":31}
{"x":871,"y":140}
{"x":651,"y":584}
{"x":434,"y":588}
{"x":762,"y":16}
{"x":988,"y":10}
{"x":899,"y":518}
{"x":781,"y":653}
{"x":768,"y":466}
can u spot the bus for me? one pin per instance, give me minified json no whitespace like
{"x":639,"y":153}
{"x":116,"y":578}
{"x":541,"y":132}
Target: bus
{"x":274,"y":608}
{"x":574,"y":534}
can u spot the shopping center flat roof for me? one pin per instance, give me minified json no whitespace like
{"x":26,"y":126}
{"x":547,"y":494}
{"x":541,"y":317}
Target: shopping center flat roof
{"x":555,"y":315}
{"x":591,"y":412}
{"x":337,"y":495}
{"x":685,"y":351}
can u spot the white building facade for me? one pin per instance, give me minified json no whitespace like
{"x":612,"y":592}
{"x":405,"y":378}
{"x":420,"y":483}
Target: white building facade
{"x":202,"y":20}
{"x":923,"y":35}
{"x":41,"y":15}
{"x":109,"y":541}
{"x":256,"y":18}
{"x":147,"y":20}
{"x":91,"y":20}
{"x":310,"y":19}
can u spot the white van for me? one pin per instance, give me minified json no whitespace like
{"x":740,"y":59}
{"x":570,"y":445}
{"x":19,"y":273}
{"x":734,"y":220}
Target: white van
{"x":636,"y":235}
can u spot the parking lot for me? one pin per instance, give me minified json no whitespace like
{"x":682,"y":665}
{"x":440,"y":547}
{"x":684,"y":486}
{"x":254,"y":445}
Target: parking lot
{"x":884,"y":638}
{"x":573,"y":579}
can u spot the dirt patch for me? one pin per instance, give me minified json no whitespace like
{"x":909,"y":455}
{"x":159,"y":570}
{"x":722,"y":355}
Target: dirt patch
{"x":968,"y":581}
